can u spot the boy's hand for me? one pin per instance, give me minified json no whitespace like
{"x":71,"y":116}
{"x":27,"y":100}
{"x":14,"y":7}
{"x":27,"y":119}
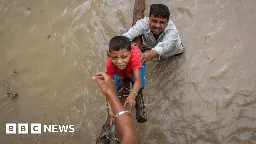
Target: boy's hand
{"x":131,"y":101}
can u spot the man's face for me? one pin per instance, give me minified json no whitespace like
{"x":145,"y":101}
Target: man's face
{"x":157,"y":24}
{"x":120,"y":58}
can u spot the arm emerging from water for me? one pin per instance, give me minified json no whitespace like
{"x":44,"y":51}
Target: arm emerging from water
{"x":124,"y":125}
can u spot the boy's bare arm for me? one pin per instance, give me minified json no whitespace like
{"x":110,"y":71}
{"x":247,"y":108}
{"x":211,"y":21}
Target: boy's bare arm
{"x":137,"y":80}
{"x":135,"y":89}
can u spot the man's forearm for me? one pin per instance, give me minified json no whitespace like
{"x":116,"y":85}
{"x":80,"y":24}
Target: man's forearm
{"x":153,"y":54}
{"x":124,"y":124}
{"x":114,"y":102}
{"x":148,"y":55}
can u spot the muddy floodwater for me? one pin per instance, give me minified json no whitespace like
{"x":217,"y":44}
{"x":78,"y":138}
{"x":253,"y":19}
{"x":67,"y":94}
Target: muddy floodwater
{"x":49,"y":50}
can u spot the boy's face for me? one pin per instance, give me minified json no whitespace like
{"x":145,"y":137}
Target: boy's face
{"x":120,"y":58}
{"x":157,"y":24}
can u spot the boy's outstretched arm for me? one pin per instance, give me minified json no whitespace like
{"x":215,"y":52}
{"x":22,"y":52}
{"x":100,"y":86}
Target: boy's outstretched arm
{"x":135,"y":89}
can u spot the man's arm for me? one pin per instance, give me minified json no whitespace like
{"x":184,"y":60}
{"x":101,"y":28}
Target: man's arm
{"x":125,"y":128}
{"x":137,"y":29}
{"x":170,"y":38}
{"x":148,"y":55}
{"x":124,"y":124}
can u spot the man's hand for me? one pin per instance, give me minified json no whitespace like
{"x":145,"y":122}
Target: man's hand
{"x":145,"y":57}
{"x":107,"y":85}
{"x":148,"y":55}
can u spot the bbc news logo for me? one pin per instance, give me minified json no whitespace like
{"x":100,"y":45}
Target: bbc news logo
{"x":36,"y":128}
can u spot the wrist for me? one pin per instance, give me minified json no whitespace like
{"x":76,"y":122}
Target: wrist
{"x":133,"y":92}
{"x":110,"y":93}
{"x":153,"y":54}
{"x":133,"y":96}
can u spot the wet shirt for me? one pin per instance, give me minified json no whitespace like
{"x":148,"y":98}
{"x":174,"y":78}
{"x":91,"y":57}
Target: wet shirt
{"x":134,"y":63}
{"x":168,"y":42}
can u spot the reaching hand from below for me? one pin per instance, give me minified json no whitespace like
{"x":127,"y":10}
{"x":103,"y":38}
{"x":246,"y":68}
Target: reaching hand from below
{"x":106,"y":84}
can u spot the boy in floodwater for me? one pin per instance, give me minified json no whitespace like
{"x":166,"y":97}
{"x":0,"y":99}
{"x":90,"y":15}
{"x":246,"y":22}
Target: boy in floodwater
{"x":125,"y":62}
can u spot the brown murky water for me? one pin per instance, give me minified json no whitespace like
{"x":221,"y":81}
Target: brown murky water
{"x":206,"y":96}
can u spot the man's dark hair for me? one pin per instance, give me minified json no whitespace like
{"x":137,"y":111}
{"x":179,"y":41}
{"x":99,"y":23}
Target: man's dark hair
{"x":159,"y":10}
{"x":119,"y":42}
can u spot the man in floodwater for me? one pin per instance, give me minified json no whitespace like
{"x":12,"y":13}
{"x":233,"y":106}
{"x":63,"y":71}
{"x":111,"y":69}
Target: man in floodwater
{"x":159,"y":34}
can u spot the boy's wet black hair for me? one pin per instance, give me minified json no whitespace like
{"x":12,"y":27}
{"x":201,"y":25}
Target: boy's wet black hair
{"x":118,"y":43}
{"x":159,"y":10}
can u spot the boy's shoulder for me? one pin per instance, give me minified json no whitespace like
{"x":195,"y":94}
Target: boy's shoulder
{"x":136,"y":52}
{"x":136,"y":49}
{"x":109,"y":63}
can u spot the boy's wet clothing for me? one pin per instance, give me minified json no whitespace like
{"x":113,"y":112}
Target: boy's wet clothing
{"x":135,"y":63}
{"x":119,"y":79}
